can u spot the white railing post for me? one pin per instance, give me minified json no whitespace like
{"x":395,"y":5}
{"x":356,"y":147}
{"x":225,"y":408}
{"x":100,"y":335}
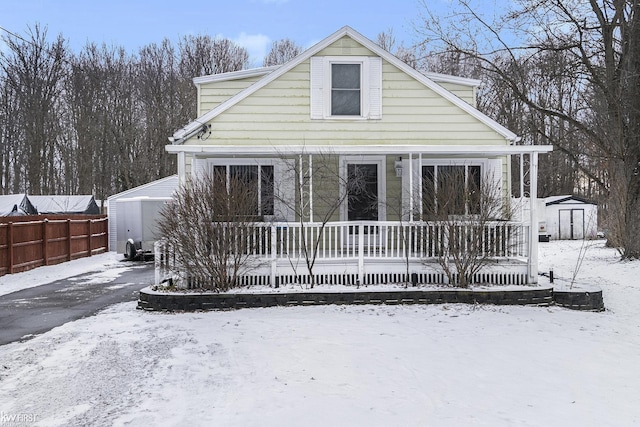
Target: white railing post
{"x":274,"y":251}
{"x":533,"y":218}
{"x":361,"y":253}
{"x":157,"y":260}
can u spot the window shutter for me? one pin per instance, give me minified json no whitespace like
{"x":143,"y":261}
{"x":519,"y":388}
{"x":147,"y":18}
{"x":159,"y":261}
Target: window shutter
{"x":375,"y":88}
{"x":317,"y":76}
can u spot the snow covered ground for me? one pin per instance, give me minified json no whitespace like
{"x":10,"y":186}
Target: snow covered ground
{"x":39,"y":276}
{"x":447,"y":365}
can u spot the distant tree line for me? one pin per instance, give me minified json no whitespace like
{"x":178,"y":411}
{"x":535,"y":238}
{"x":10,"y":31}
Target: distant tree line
{"x":97,"y":121}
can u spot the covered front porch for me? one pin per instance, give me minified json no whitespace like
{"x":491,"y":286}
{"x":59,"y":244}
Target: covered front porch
{"x":387,"y":247}
{"x":365,"y":253}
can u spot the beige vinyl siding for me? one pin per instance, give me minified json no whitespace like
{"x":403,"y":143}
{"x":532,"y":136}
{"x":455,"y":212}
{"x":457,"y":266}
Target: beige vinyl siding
{"x":466,"y":93}
{"x":279,"y":113}
{"x":215,"y":93}
{"x":394,"y":191}
{"x":346,"y":46}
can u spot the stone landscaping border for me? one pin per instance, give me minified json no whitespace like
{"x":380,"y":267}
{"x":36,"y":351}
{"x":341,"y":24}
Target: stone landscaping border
{"x":175,"y":301}
{"x":579,"y":300}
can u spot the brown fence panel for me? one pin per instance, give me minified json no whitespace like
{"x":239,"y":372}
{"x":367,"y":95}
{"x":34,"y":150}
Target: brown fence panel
{"x":33,"y":241}
{"x":57,"y":237}
{"x":4,"y":249}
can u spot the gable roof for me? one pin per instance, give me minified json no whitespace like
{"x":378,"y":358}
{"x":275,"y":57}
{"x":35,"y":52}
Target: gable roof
{"x":189,"y":130}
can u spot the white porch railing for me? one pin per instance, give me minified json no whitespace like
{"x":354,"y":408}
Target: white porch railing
{"x":277,"y":246}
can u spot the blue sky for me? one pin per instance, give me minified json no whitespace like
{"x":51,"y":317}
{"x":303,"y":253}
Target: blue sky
{"x":251,"y":23}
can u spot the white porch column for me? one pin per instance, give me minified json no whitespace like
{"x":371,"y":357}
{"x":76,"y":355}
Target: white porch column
{"x":301,"y":187}
{"x":521,"y":177}
{"x":533,"y":218}
{"x":274,"y":260}
{"x":410,"y":187}
{"x":182,"y":168}
{"x":420,"y":178}
{"x":310,"y":188}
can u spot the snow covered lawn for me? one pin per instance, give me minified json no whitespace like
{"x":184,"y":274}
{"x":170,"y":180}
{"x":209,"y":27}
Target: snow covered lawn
{"x":448,"y":365}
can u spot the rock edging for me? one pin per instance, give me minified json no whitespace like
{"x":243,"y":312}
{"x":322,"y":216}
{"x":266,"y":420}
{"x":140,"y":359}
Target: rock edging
{"x":159,"y":301}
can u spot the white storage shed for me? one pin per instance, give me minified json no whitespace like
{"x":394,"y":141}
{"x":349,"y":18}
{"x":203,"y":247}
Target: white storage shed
{"x":571,"y":218}
{"x":164,"y":187}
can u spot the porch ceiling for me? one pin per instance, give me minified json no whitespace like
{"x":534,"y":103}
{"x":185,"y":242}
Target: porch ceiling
{"x":438,"y":150}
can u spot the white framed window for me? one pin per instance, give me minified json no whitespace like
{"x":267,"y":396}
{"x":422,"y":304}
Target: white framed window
{"x":438,"y":180}
{"x":346,"y":87}
{"x":259,"y":177}
{"x":433,"y":176}
{"x":274,"y":181}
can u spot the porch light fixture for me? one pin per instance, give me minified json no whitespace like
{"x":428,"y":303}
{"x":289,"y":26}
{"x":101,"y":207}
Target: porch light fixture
{"x":398,"y":167}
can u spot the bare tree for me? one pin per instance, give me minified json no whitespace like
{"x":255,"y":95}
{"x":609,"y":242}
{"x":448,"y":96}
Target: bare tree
{"x":101,"y":93}
{"x":387,"y":41}
{"x":281,"y":51}
{"x":158,"y":92}
{"x":321,"y":191}
{"x":463,"y":204}
{"x":600,"y":40}
{"x":10,"y":135}
{"x":211,"y":227}
{"x":34,"y":70}
{"x":204,"y":55}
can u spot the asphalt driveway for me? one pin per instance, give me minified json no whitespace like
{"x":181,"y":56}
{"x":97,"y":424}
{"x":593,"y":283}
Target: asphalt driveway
{"x":36,"y":310}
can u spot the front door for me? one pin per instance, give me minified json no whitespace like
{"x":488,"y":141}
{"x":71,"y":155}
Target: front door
{"x":364,"y":182}
{"x":362,"y":192}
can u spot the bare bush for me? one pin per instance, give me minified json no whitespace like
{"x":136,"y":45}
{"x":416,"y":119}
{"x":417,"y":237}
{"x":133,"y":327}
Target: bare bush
{"x":464,"y":204}
{"x":212,"y":228}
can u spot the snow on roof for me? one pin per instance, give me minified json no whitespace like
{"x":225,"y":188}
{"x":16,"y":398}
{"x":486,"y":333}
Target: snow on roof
{"x":15,"y":204}
{"x":65,"y":204}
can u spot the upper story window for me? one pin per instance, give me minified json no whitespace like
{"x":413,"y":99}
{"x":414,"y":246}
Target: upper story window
{"x":346,"y":87}
{"x":345,"y":90}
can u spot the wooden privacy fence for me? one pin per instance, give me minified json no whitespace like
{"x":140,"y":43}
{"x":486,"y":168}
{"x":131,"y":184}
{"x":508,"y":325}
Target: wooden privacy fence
{"x":33,"y":241}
